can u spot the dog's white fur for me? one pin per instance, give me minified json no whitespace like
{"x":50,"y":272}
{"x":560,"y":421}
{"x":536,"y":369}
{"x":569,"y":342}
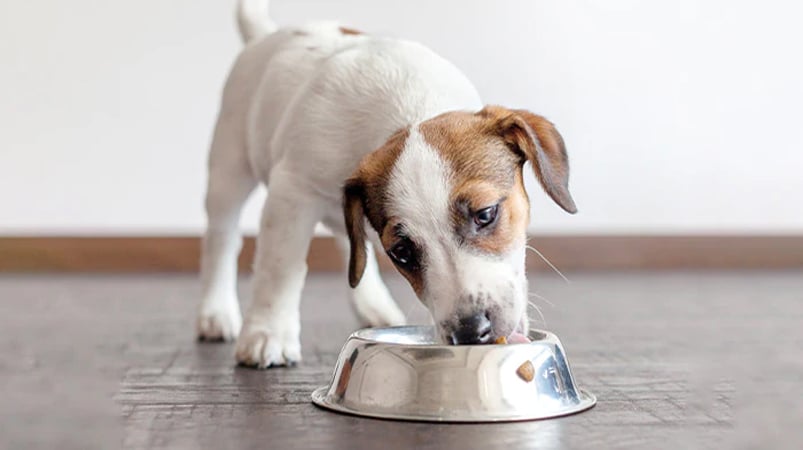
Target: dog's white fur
{"x":300,"y":109}
{"x":457,"y":279}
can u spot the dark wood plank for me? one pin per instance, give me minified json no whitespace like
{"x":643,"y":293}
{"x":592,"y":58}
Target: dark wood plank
{"x":182,"y":254}
{"x":677,"y":359}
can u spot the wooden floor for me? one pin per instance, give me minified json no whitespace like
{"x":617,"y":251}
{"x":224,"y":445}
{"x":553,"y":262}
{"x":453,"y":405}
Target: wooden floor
{"x":678,"y":360}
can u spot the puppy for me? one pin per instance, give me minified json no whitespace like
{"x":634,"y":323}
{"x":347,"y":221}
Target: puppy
{"x":347,"y":129}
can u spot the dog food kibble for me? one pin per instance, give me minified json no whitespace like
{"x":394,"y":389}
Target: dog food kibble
{"x":501,"y":340}
{"x":526,"y":371}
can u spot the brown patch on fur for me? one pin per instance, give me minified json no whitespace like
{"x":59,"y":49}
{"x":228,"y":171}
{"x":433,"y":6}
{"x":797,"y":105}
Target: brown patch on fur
{"x":473,"y":151}
{"x":513,"y":215}
{"x":350,"y":31}
{"x":478,"y":194}
{"x":373,"y":174}
{"x":486,"y":152}
{"x":364,"y":197}
{"x":517,"y":210}
{"x":484,"y":172}
{"x":388,"y":237}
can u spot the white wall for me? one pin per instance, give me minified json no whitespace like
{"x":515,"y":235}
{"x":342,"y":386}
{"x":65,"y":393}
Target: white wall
{"x":680,"y":116}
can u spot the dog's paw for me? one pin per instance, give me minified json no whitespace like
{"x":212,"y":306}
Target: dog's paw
{"x":263,"y":346}
{"x":219,"y":324}
{"x":376,"y":308}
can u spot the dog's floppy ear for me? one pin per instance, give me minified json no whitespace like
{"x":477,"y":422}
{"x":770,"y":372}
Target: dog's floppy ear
{"x":354,"y":214}
{"x":536,"y":140}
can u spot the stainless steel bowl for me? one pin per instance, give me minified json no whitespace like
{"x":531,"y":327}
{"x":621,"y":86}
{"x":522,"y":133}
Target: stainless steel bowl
{"x":403,"y":373}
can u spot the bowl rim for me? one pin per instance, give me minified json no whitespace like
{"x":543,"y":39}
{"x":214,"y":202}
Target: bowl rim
{"x":537,"y":336}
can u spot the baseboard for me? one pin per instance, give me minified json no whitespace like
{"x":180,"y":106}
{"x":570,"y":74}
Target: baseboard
{"x":177,"y":254}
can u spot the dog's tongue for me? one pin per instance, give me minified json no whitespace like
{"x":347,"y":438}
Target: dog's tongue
{"x":517,"y":338}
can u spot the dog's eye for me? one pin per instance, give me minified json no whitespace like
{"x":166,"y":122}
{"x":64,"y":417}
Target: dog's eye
{"x":402,"y":253}
{"x":486,"y":216}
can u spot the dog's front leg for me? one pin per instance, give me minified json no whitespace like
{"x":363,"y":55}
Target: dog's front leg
{"x":371,"y":299}
{"x":270,"y":335}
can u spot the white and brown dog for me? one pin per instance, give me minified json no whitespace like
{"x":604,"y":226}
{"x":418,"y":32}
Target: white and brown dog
{"x":345,"y":129}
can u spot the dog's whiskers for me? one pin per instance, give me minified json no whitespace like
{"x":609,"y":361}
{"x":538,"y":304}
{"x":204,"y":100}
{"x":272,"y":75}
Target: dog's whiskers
{"x":538,"y":310}
{"x":535,"y":250}
{"x":541,"y":297}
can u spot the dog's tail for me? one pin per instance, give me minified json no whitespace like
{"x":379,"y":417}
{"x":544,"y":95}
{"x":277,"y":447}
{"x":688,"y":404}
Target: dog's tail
{"x":253,"y":19}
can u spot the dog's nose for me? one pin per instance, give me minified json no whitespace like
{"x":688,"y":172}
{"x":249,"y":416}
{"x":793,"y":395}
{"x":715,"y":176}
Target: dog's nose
{"x":475,"y":329}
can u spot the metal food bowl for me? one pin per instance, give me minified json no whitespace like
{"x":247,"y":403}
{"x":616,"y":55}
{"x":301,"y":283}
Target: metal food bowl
{"x":404,"y":373}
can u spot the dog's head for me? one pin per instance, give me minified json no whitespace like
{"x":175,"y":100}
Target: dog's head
{"x":447,"y":199}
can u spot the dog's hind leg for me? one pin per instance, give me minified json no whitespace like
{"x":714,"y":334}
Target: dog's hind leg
{"x":271,"y":333}
{"x":371,"y":299}
{"x":229,"y":185}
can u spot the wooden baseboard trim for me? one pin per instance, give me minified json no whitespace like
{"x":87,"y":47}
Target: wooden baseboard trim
{"x":177,"y":254}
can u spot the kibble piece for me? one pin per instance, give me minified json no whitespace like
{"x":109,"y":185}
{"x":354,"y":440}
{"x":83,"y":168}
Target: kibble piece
{"x":501,"y":340}
{"x":526,"y":371}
